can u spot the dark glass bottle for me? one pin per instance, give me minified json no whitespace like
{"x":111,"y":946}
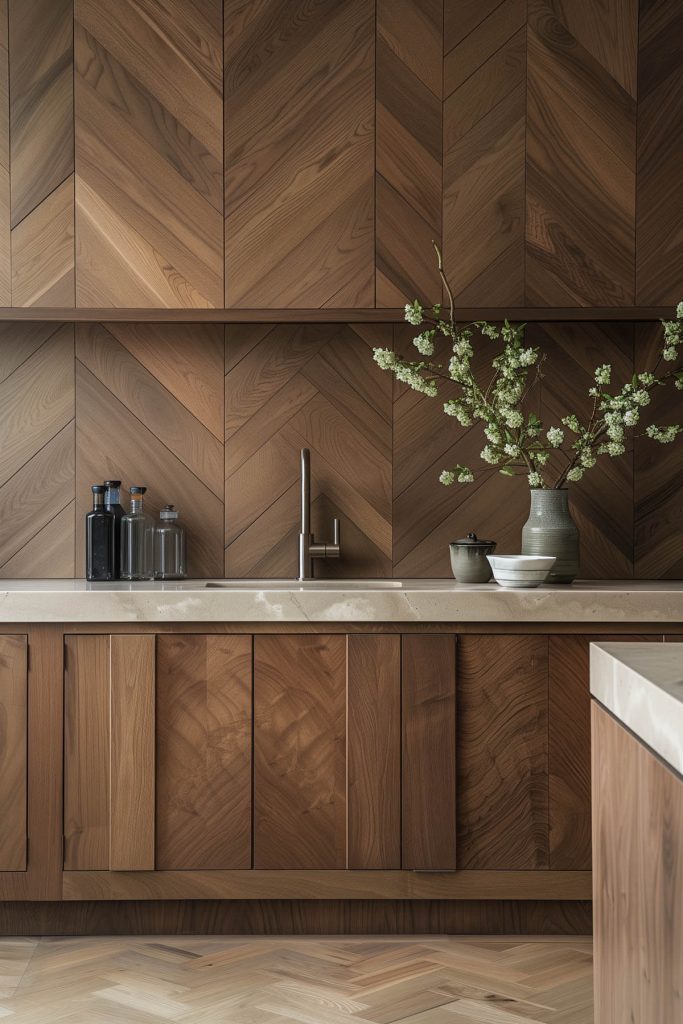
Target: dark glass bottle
{"x":112,"y":502}
{"x":100,"y":526}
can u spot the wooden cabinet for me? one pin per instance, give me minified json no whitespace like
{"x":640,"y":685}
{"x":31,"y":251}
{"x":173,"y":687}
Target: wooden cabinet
{"x":13,"y":743}
{"x":157,"y":752}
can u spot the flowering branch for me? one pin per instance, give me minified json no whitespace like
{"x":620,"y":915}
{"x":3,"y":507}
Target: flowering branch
{"x":517,"y":440}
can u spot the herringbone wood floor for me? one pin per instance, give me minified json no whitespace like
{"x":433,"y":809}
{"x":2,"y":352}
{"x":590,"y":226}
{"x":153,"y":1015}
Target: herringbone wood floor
{"x":428,"y":980}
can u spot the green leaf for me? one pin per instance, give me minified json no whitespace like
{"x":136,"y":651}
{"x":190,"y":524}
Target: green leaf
{"x":507,"y":471}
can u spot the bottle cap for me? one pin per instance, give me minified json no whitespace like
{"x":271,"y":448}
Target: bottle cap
{"x":112,"y":483}
{"x":97,"y":489}
{"x":138,"y":490}
{"x":168,"y":512}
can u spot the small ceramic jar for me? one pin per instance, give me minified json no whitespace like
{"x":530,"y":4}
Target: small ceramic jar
{"x":469,"y":561}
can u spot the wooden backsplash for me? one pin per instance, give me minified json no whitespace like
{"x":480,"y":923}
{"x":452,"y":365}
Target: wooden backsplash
{"x":290,"y":153}
{"x":212,"y":419}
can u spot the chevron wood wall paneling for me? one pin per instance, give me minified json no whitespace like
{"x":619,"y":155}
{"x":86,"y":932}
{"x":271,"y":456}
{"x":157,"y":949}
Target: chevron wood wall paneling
{"x":149,"y":153}
{"x":5,"y":225}
{"x":37,"y":452}
{"x":580,"y":161}
{"x":41,"y":152}
{"x":408,"y":75}
{"x":136,"y":423}
{"x":299,"y":153}
{"x":659,"y":252}
{"x":311,"y":386}
{"x":484,"y":150}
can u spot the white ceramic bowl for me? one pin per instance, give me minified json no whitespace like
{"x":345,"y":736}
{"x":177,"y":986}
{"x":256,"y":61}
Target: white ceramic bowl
{"x":521,"y":570}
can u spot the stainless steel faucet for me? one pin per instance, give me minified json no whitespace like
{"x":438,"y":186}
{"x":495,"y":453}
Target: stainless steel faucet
{"x":309,"y":548}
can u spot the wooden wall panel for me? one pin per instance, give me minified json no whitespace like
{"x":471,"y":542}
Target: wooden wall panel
{"x":408,"y":76}
{"x":41,"y":152}
{"x":658,"y":478}
{"x":5,"y":212}
{"x":149,"y":153}
{"x":37,"y":454}
{"x":659,"y":246}
{"x":306,"y":386}
{"x":132,"y":790}
{"x":428,"y":820}
{"x":203,"y":752}
{"x":86,"y":753}
{"x":13,"y":749}
{"x":299,"y":751}
{"x":299,"y":154}
{"x":484,"y":152}
{"x":374,"y":751}
{"x":502,"y":752}
{"x":153,"y":436}
{"x":580,"y":153}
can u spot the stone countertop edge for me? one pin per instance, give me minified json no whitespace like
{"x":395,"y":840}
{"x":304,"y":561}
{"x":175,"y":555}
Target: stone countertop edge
{"x":641,"y":685}
{"x":434,"y":601}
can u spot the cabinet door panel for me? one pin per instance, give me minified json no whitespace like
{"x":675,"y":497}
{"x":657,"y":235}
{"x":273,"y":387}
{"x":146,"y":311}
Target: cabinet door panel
{"x":429,"y":822}
{"x":203,"y":780}
{"x":299,"y":751}
{"x":86,"y":753}
{"x":569,"y":749}
{"x":503,"y":752}
{"x":374,"y":751}
{"x":13,"y":708}
{"x":131,"y":833}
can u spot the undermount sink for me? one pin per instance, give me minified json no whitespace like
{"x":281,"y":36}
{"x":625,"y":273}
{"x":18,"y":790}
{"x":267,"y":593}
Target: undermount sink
{"x":304,"y":584}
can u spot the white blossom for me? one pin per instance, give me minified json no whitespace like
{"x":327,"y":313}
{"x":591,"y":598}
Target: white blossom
{"x":385,"y":358}
{"x":555,"y":436}
{"x":603,"y":374}
{"x":413,"y":313}
{"x":663,"y":434}
{"x":490,"y":455}
{"x":535,"y":479}
{"x":447,"y":477}
{"x":574,"y":474}
{"x":465,"y":476}
{"x":424,"y":343}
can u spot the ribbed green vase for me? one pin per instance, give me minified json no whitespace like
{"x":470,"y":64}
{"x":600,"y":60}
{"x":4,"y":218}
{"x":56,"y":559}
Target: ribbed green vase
{"x":550,"y":530}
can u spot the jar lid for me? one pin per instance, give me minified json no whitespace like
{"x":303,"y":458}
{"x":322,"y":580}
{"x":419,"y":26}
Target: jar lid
{"x":471,"y":540}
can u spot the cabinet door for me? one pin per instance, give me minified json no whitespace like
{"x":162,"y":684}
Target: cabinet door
{"x":156,"y":764}
{"x":299,"y":751}
{"x":13,"y":692}
{"x":429,"y":738}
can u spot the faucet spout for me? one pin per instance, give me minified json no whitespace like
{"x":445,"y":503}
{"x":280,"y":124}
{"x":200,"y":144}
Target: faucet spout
{"x":309,"y":548}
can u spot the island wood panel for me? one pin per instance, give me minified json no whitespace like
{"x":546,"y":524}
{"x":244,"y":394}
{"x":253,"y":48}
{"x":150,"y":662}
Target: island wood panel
{"x":408,"y":128}
{"x":203,"y":752}
{"x":429,"y":752}
{"x":299,"y":153}
{"x":37,"y":408}
{"x":502,"y":752}
{"x":13,"y":751}
{"x":659,"y":253}
{"x":149,"y":153}
{"x":132,"y":791}
{"x":374,"y":751}
{"x":299,"y":751}
{"x":580,"y":153}
{"x":637,"y":879}
{"x":484,"y":124}
{"x":159,"y":432}
{"x":41,"y":152}
{"x":289,"y":387}
{"x":86,"y":752}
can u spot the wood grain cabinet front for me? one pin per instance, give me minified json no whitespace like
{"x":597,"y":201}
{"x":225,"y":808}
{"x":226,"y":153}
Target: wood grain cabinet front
{"x":13,"y":744}
{"x":157,"y":760}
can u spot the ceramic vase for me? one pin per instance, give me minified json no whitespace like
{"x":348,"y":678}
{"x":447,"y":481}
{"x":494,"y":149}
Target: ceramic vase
{"x":550,"y":530}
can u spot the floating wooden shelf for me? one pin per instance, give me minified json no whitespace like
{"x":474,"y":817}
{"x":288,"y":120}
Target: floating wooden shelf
{"x":341,"y":316}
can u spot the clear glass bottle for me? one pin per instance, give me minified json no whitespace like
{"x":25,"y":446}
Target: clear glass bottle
{"x":137,"y":540}
{"x":99,"y":539}
{"x":112,"y":502}
{"x":169,"y":546}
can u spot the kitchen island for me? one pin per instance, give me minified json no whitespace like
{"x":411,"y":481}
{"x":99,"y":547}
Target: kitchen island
{"x":327,"y":756}
{"x":637,"y":723}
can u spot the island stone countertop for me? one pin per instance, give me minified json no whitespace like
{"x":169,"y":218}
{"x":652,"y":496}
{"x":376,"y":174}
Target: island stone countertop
{"x":641,"y":684}
{"x":65,"y":601}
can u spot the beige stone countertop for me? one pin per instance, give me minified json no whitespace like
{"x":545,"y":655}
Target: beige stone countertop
{"x":66,"y":601}
{"x":641,"y":684}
